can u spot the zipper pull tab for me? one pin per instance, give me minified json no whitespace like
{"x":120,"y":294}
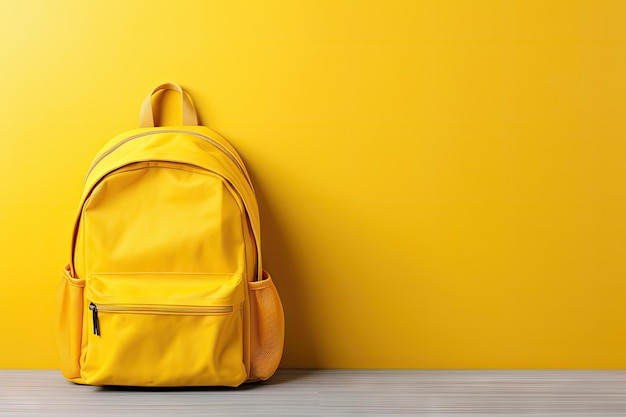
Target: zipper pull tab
{"x":96,"y":322}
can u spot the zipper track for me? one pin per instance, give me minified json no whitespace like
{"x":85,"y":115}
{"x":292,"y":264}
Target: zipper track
{"x":213,"y":142}
{"x":96,"y":309}
{"x":161,"y":309}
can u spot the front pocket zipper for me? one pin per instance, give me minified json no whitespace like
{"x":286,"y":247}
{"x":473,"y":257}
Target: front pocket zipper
{"x":96,"y":322}
{"x":170,"y":310}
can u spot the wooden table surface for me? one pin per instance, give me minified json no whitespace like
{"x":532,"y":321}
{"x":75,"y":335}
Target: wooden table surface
{"x":332,"y":393}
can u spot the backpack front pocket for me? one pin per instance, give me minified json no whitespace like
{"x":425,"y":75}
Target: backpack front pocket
{"x":164,"y":330}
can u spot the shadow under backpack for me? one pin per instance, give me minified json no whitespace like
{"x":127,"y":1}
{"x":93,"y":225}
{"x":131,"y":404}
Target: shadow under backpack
{"x":165,"y":285}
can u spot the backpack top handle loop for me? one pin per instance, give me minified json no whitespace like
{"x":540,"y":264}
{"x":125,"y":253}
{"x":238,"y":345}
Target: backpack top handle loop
{"x":146,"y":117}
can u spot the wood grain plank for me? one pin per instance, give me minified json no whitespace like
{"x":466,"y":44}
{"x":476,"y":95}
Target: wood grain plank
{"x":332,"y":393}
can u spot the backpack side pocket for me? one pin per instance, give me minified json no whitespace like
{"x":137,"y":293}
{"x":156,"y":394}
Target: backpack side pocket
{"x":70,"y":324}
{"x":267,"y":330}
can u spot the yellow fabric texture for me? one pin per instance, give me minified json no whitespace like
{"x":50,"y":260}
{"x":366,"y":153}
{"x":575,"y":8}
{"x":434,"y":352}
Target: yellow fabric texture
{"x":165,"y":285}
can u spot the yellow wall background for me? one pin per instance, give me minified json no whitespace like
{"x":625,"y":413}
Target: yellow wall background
{"x":442,"y":183}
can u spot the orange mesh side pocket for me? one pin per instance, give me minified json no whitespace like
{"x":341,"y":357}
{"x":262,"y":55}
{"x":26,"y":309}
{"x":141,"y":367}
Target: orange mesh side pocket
{"x":70,"y":324}
{"x":267,"y":328}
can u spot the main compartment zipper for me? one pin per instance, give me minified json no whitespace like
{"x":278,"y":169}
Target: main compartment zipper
{"x":212,"y":141}
{"x":152,"y":309}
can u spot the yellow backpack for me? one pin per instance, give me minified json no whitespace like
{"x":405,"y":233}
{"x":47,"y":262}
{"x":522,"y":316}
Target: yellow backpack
{"x":165,"y":285}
